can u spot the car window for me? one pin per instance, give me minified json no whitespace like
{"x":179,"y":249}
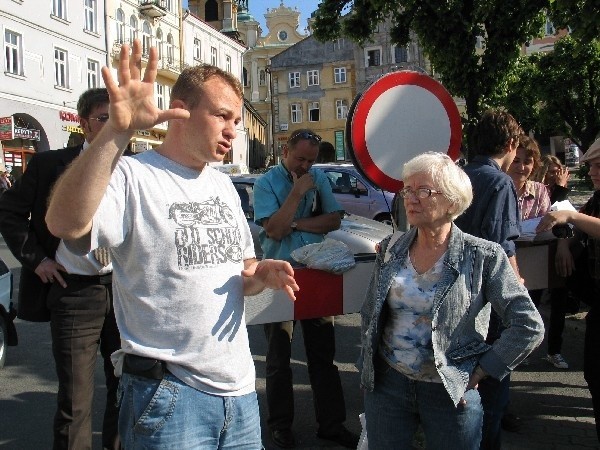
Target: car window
{"x":345,"y":183}
{"x":246,"y":193}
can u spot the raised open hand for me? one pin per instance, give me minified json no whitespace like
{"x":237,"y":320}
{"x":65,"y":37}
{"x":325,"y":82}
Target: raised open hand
{"x":132,"y":104}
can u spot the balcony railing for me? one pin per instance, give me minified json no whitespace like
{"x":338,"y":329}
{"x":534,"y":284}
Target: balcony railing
{"x":153,"y":8}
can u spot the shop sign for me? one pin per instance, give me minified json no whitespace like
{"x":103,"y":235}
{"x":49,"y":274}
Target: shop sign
{"x":26,"y":133}
{"x":66,"y":116}
{"x":72,"y":129}
{"x":340,"y":151}
{"x":6,"y":128}
{"x":282,"y":138}
{"x":141,"y":146}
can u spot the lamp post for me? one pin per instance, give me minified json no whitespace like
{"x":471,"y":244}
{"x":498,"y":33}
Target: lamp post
{"x":268,"y":70}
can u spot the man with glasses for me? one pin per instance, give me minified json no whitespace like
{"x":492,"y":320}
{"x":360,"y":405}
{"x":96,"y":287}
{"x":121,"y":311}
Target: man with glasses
{"x":295,"y":206}
{"x":494,"y":215}
{"x":73,"y":292}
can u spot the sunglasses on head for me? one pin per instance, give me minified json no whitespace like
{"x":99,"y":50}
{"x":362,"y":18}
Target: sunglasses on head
{"x":304,"y":135}
{"x":103,"y":118}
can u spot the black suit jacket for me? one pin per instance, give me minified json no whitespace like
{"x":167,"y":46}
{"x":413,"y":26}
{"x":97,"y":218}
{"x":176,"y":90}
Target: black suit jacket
{"x":23,"y":226}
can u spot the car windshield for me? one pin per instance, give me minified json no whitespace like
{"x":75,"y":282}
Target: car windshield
{"x":246,"y":193}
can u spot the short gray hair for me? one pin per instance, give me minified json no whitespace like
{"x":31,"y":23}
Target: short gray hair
{"x":447,"y":176}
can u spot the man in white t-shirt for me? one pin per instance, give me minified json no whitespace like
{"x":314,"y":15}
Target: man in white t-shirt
{"x":182,"y":255}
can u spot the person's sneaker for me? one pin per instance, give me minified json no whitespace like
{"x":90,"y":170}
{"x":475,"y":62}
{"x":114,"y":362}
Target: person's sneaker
{"x":283,"y":438}
{"x":557,"y":361}
{"x":343,"y":437}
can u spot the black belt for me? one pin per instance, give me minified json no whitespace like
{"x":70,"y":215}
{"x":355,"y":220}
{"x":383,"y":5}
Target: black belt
{"x":143,"y":366}
{"x":91,"y":279}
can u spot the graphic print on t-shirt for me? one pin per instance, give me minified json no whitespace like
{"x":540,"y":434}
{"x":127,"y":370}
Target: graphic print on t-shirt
{"x":208,"y":234}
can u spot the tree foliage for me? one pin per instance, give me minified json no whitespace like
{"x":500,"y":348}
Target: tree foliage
{"x":568,"y":84}
{"x":448,"y":31}
{"x":583,"y":16}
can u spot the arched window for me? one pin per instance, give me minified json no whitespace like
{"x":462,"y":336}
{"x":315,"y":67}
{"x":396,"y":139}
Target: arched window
{"x":262,"y":77}
{"x":159,"y":43}
{"x":146,"y":38}
{"x":133,"y":24}
{"x":120,"y":22}
{"x":211,"y":11}
{"x":170,"y":50}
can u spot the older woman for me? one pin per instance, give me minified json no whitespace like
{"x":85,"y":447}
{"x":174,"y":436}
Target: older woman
{"x":425,"y":317}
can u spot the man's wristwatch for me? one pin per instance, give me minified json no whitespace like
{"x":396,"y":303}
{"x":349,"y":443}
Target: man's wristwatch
{"x":294,"y":226}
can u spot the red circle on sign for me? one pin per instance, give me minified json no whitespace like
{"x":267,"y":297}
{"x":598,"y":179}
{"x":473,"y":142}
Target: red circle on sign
{"x":418,"y":101}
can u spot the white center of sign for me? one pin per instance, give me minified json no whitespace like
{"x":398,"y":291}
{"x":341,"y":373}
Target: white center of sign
{"x":404,"y":122}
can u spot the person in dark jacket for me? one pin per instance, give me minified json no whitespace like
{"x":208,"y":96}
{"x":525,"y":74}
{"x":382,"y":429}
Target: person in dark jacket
{"x":73,"y":292}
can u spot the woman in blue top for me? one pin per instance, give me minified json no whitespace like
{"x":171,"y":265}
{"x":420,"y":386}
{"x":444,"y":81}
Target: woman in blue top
{"x":426,"y":313}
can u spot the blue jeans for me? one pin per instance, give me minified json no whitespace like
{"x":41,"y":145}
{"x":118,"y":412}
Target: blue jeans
{"x":168,"y":414}
{"x":398,"y":404}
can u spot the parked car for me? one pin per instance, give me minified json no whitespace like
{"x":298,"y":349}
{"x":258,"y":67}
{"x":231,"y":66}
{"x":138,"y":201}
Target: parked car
{"x":8,"y":332}
{"x":359,"y":233}
{"x":232,"y":169}
{"x":356,"y":194}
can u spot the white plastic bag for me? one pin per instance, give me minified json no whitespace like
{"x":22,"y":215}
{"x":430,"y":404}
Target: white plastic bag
{"x":330,"y":255}
{"x":363,"y":442}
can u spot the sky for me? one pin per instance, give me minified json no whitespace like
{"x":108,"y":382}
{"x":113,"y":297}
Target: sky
{"x":258,"y":8}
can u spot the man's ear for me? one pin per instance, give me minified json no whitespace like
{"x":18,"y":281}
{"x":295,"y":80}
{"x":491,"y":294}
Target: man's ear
{"x":178,"y":103}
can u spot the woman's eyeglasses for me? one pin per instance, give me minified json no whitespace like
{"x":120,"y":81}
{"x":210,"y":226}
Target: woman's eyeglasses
{"x":420,"y":193}
{"x":304,"y":135}
{"x":103,"y":118}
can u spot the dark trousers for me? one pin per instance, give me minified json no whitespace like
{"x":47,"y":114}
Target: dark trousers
{"x":494,"y":399}
{"x":591,"y":360}
{"x":495,"y":395}
{"x":319,"y":342}
{"x":558,"y":309}
{"x":82,"y":319}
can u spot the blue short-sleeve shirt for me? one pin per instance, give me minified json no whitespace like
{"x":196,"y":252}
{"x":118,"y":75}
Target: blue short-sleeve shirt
{"x":271,"y":190}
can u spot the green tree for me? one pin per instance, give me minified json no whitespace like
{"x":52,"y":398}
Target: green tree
{"x":568,"y":85}
{"x":583,"y":16}
{"x":448,"y":31}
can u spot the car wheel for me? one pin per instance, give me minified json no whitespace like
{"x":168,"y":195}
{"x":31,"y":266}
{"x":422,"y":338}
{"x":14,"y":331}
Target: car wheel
{"x":3,"y":341}
{"x":384,"y":218}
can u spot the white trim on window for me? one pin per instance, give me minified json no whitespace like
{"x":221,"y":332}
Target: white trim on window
{"x":13,"y":52}
{"x":90,"y":13}
{"x":341,"y":109}
{"x":339,"y":75}
{"x":294,"y":78}
{"x":93,"y":73}
{"x":314,"y":112}
{"x":296,"y":112}
{"x":373,"y":56}
{"x":312,"y":77}
{"x":61,"y":68}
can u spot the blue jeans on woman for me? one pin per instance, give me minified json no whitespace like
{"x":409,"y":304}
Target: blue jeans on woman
{"x":168,"y":414}
{"x":398,"y":405}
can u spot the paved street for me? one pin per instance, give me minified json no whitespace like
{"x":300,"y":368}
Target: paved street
{"x":555,"y":405}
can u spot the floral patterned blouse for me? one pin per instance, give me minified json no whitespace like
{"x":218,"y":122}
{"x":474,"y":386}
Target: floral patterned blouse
{"x":535,"y":201}
{"x":406,"y":339}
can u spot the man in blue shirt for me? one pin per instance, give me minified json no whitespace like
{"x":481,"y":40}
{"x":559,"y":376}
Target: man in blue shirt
{"x":494,"y":215}
{"x":295,"y":206}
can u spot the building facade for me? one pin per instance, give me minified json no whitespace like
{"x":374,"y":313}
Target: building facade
{"x":53,"y":51}
{"x":313,"y":87}
{"x":155,"y":24}
{"x":282,"y":23}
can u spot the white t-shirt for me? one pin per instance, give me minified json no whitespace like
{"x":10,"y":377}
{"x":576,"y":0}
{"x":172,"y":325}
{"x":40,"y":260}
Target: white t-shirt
{"x":179,"y":239}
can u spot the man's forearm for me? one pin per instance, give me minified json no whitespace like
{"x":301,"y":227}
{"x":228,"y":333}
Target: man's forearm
{"x":320,"y":224}
{"x":80,"y":189}
{"x":278,"y":225}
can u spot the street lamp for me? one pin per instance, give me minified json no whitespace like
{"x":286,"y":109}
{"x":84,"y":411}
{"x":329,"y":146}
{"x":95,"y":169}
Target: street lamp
{"x":268,"y":70}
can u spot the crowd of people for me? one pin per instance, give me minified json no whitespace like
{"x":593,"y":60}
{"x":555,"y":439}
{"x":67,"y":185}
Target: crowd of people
{"x":148,"y":260}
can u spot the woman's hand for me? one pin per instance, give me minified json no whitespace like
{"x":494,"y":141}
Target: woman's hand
{"x":477,"y":375}
{"x":562,"y":176}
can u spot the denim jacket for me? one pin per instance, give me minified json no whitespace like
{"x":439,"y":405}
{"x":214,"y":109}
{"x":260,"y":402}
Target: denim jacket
{"x":476,"y":274}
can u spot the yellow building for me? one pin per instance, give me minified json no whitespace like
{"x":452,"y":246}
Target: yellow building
{"x":313,"y":87}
